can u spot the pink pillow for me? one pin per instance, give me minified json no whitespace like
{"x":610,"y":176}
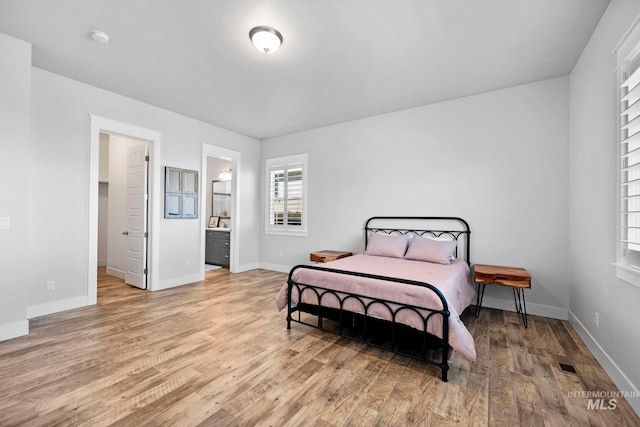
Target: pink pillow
{"x":386,"y":245}
{"x":429,"y":250}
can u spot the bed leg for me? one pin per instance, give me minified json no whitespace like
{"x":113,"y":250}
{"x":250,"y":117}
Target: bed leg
{"x":290,"y":284}
{"x":445,"y":370}
{"x":445,"y":362}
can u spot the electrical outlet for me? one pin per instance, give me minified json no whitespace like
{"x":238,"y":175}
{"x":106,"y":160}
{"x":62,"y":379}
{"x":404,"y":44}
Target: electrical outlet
{"x":5,"y":223}
{"x":51,"y":285}
{"x":188,"y":264}
{"x":597,"y":320}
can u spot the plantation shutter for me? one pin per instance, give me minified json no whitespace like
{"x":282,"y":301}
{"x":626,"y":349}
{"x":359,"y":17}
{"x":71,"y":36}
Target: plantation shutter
{"x":630,"y":168}
{"x":286,"y":195}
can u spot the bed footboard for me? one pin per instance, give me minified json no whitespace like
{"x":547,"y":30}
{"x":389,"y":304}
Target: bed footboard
{"x":366,"y":302}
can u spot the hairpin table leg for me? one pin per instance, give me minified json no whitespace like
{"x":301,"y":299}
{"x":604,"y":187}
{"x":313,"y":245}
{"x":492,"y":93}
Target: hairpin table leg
{"x":480,"y":297}
{"x":521,"y":305}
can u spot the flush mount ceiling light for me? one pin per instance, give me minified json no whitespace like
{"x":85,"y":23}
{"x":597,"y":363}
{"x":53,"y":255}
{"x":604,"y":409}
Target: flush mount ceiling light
{"x":265,"y":39}
{"x":100,"y":36}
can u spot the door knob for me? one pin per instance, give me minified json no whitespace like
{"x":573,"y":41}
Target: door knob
{"x":125,"y":233}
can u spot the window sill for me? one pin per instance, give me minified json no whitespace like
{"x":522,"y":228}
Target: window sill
{"x":286,"y":232}
{"x":628,"y":274}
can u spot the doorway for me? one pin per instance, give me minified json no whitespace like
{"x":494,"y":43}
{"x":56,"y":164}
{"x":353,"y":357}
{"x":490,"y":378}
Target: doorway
{"x":217,"y":198}
{"x":152,"y":140}
{"x":216,"y":160}
{"x":122,"y":208}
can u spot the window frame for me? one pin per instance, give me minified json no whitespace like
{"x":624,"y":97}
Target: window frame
{"x":627,"y":53}
{"x":286,"y":162}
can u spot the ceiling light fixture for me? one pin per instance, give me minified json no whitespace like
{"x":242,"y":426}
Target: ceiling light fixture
{"x":265,"y":39}
{"x":225,"y":174}
{"x":100,"y":36}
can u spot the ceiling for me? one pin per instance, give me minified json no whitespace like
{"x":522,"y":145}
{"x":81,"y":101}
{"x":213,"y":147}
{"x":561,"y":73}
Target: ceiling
{"x":341,"y":59}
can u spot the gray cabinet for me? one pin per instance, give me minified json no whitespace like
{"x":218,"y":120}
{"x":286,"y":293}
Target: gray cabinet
{"x":218,"y":244}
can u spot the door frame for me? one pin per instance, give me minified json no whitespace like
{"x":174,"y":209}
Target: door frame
{"x":153,"y":138}
{"x":209,"y":150}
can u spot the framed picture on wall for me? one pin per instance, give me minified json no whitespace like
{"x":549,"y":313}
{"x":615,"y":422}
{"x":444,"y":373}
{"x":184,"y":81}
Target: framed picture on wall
{"x":213,"y":221}
{"x":180,"y":193}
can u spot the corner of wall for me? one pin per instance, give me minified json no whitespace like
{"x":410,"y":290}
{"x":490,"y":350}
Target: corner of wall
{"x":611,"y":368}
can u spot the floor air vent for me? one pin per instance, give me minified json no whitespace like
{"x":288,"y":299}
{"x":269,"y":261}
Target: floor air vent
{"x":567,"y":368}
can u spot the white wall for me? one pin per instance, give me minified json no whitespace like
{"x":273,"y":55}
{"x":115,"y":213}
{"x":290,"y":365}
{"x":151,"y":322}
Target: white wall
{"x":60,"y":165}
{"x":103,"y":224}
{"x":103,"y":200}
{"x":497,"y":159}
{"x":15,"y":106}
{"x":103,"y":157}
{"x":594,"y":287}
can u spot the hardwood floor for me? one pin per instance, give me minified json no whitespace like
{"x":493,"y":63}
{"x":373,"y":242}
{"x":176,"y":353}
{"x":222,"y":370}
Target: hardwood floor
{"x":218,"y":353}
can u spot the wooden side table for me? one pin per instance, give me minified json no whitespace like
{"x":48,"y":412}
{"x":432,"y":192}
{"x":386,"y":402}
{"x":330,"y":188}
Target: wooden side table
{"x":326,"y":256}
{"x":516,"y":278}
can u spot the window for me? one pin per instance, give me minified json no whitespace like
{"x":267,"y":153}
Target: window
{"x":629,"y":167}
{"x":628,"y":234}
{"x":287,"y":195}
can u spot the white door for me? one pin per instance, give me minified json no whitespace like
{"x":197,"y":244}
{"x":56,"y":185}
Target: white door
{"x":136,"y":272}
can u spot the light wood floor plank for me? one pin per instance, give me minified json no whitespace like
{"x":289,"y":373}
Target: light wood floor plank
{"x":217,"y":353}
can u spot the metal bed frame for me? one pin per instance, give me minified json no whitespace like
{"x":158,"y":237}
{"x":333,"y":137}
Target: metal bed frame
{"x":460,"y":233}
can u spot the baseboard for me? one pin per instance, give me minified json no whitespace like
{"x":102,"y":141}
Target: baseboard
{"x":532,"y":308}
{"x":275,"y":267}
{"x":177,"y":281}
{"x":247,"y":267}
{"x":14,"y":330}
{"x":115,"y":272}
{"x":611,"y":368}
{"x":56,"y":306}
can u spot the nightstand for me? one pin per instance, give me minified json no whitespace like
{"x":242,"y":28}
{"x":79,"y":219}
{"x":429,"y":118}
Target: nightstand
{"x":326,"y":256}
{"x":516,"y":278}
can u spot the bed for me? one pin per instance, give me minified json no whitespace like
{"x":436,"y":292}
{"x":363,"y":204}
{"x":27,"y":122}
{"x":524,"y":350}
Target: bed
{"x":408,"y":288}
